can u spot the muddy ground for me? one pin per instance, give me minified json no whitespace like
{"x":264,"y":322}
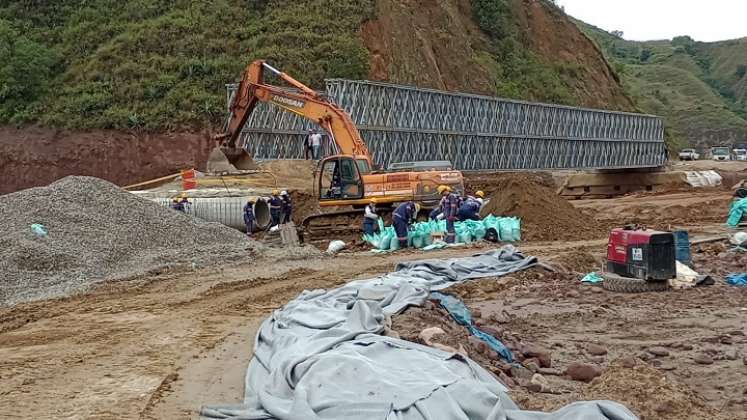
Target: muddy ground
{"x":688,"y":348}
{"x":159,"y":347}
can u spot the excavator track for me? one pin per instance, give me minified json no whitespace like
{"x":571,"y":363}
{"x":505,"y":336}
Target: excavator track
{"x":327,"y":226}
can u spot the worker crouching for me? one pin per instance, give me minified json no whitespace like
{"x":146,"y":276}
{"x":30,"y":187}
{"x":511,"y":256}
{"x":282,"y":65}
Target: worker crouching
{"x":469,"y":210}
{"x":404,"y":215}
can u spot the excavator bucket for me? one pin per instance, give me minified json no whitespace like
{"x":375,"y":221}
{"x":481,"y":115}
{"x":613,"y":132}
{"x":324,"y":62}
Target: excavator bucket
{"x":224,"y":159}
{"x":242,"y":161}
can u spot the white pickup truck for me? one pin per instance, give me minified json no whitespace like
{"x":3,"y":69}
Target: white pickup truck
{"x":689,"y":154}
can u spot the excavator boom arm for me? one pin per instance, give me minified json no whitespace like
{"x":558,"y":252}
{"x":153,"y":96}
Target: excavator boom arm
{"x":304,"y":102}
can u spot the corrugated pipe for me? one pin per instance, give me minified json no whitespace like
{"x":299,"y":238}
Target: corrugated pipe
{"x":226,"y":210}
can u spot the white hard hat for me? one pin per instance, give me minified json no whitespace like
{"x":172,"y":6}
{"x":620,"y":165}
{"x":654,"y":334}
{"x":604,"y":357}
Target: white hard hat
{"x":284,"y":192}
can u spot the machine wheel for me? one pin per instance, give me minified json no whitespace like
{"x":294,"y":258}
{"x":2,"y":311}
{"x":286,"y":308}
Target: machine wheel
{"x":615,"y":283}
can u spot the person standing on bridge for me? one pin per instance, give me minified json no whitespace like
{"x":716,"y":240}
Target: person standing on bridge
{"x":449,"y":208}
{"x":404,"y":215}
{"x":307,"y":145}
{"x":316,"y":144}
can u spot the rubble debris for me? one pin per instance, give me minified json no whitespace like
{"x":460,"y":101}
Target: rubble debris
{"x":98,"y":232}
{"x":583,"y":372}
{"x":635,"y":387}
{"x":658,"y":351}
{"x":596,"y":349}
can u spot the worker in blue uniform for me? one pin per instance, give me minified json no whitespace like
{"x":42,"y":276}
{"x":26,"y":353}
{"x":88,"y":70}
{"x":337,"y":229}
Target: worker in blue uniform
{"x":276,"y":206}
{"x":370,"y":218}
{"x":404,"y":215}
{"x":249,"y":216}
{"x":450,"y":208}
{"x":287,"y":206}
{"x":435,"y":214}
{"x":469,"y":210}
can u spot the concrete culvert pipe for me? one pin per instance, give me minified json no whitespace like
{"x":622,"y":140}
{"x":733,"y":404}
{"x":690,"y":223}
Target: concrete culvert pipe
{"x":227,"y":210}
{"x":262,"y":214}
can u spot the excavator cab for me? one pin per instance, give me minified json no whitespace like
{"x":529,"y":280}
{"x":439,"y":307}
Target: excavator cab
{"x":340,"y":179}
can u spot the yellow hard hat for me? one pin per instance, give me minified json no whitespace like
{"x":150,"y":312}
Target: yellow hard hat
{"x":275,"y":192}
{"x":373,"y":200}
{"x":443,"y":188}
{"x":417,"y":208}
{"x":480,"y":194}
{"x":184,"y":195}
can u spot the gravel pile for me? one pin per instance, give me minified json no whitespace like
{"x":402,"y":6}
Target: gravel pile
{"x":98,"y":232}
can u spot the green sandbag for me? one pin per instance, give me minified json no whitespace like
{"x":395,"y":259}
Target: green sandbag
{"x":384,"y":241}
{"x":479,"y":232}
{"x":394,"y":243}
{"x":737,"y":211}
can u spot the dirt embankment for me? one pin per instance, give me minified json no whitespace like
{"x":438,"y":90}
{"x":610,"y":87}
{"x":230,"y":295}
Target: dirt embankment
{"x":555,"y":39}
{"x":428,"y":44}
{"x":545,"y":216}
{"x":439,"y":45}
{"x":35,"y":156}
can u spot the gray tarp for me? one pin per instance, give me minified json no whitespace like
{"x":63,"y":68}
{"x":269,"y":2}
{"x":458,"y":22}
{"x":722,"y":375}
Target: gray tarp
{"x":321,"y":356}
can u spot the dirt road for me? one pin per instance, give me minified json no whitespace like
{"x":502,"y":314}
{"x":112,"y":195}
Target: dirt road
{"x":158,"y":348}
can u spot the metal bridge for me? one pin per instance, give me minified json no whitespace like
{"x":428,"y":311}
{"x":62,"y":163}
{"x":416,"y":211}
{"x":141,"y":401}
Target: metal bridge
{"x":402,"y":123}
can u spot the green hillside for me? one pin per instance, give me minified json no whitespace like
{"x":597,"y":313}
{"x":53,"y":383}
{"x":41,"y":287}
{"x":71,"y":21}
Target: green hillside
{"x":700,"y":88}
{"x":162,"y":65}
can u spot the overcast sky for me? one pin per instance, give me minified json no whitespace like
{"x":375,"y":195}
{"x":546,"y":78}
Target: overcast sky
{"x":642,"y":20}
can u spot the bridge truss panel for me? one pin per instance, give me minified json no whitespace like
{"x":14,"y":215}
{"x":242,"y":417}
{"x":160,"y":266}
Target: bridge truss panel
{"x":401,"y":123}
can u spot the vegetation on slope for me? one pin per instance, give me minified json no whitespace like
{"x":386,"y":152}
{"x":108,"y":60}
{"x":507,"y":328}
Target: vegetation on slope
{"x":700,"y":88}
{"x":517,"y":71}
{"x":162,"y":64}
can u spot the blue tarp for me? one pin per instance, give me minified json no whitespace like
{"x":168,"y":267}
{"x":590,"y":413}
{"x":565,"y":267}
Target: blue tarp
{"x":461,"y":314}
{"x":737,"y":279}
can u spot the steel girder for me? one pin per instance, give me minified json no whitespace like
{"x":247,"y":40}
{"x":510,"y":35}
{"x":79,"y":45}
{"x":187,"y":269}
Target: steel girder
{"x":401,"y":123}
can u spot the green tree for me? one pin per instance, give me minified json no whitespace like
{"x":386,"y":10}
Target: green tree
{"x":741,"y":71}
{"x":25,"y":70}
{"x":645,"y":55}
{"x":493,"y":17}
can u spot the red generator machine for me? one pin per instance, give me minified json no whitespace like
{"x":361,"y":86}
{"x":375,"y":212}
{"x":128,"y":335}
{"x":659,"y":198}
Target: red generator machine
{"x":639,"y":260}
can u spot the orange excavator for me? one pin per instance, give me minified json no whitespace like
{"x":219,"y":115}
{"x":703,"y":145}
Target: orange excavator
{"x":347,"y":178}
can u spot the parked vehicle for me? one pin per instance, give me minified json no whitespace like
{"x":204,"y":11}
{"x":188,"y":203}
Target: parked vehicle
{"x":740,"y":154}
{"x":689,"y":154}
{"x":721,"y":153}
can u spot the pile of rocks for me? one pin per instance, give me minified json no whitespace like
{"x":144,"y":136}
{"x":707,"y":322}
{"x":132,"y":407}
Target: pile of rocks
{"x":97,"y":232}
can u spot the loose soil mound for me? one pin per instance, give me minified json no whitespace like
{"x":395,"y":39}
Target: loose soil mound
{"x":544,"y":215}
{"x":637,"y":387}
{"x":98,"y":232}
